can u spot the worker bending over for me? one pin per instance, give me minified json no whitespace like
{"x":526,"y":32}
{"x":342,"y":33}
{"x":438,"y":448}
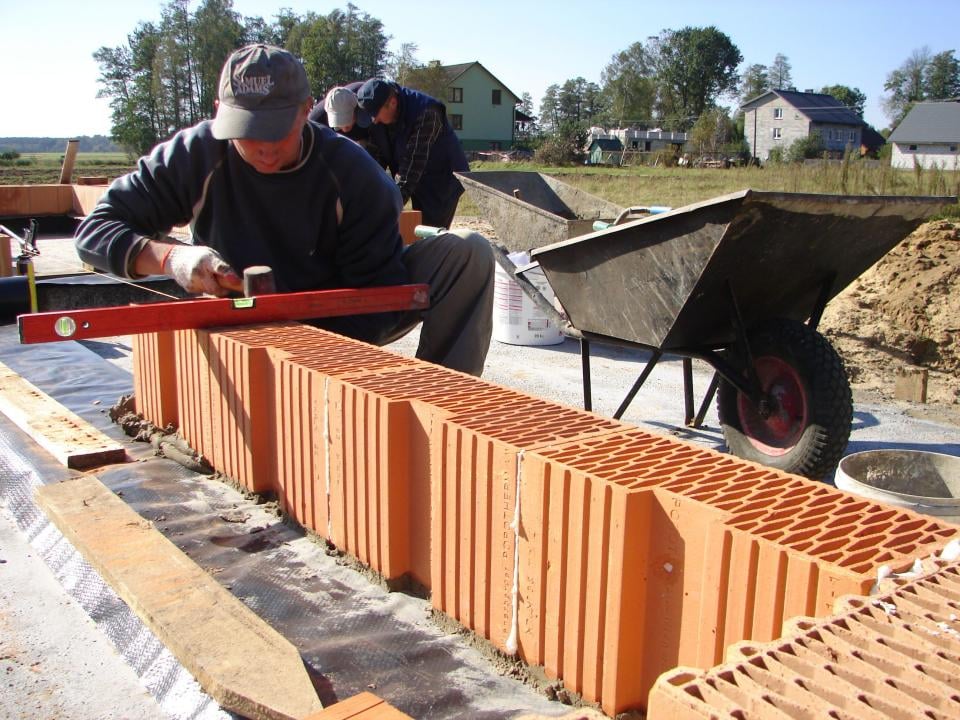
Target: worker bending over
{"x":421,"y":148}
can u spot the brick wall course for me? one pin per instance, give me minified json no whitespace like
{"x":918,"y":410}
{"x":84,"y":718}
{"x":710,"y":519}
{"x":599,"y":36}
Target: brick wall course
{"x":631,"y":552}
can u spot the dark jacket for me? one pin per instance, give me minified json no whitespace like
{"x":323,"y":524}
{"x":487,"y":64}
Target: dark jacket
{"x":437,"y":187}
{"x":287,"y":220}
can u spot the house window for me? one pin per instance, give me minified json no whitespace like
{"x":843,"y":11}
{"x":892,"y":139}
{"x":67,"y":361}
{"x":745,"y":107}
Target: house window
{"x":457,"y":122}
{"x":853,"y":135}
{"x":496,"y":97}
{"x":953,"y":148}
{"x":456,"y":95}
{"x":777,"y":133}
{"x":912,"y":148}
{"x":778,"y":113}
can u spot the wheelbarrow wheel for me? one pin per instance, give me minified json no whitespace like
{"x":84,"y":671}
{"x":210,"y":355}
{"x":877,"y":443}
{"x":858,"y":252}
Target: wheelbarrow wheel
{"x":803,"y":423}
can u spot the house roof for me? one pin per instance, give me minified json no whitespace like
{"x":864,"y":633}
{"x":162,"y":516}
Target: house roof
{"x":455,"y":71}
{"x":930,"y":122}
{"x":818,"y":107}
{"x":607,"y":144}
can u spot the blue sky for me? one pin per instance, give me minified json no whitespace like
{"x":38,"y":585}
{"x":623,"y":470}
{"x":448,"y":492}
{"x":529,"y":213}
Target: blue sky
{"x":50,"y":83}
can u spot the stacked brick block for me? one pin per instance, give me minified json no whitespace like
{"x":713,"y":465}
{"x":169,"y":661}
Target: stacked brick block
{"x":892,"y":656}
{"x":628,"y":554}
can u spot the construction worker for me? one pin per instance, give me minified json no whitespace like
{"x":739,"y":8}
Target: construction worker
{"x":262,"y":185}
{"x":339,"y":111}
{"x":422,"y":149}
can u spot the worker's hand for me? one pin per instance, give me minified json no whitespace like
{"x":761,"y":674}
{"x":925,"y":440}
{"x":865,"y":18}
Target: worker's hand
{"x":199,"y":269}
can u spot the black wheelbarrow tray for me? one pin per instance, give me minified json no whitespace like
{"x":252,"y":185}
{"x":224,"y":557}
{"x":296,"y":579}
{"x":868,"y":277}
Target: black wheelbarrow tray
{"x":530,"y":209}
{"x":739,"y":281}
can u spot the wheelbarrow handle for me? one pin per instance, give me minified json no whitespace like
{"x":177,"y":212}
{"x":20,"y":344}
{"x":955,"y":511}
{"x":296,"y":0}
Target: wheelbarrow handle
{"x":643,"y":210}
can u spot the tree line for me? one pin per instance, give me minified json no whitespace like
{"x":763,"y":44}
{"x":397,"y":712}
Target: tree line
{"x":86,"y":144}
{"x":166,"y":76}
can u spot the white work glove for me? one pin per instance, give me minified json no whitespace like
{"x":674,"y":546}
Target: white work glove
{"x":199,"y":269}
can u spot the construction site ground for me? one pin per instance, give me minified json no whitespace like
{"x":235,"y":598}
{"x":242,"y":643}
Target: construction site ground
{"x":58,"y":662}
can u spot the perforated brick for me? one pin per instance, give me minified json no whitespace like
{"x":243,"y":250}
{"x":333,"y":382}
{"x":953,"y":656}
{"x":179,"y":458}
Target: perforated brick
{"x":892,"y":656}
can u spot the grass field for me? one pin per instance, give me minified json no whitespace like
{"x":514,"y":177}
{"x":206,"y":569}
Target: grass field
{"x":638,"y":185}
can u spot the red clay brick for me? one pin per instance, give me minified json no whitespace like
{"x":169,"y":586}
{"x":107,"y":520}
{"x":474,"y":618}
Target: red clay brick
{"x":370,"y":483}
{"x":155,"y":378}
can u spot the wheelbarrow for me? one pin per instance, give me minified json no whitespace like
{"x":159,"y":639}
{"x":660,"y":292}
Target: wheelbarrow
{"x":739,"y":281}
{"x":529,"y":209}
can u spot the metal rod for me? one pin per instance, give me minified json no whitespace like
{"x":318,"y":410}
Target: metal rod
{"x":585,"y":367}
{"x":707,"y":399}
{"x":687,"y":364}
{"x":648,"y":368}
{"x":826,"y":288}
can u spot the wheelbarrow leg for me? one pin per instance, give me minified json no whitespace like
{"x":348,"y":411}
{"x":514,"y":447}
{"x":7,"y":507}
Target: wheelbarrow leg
{"x":687,"y":391}
{"x":585,"y":365}
{"x":648,"y":368}
{"x":707,"y":399}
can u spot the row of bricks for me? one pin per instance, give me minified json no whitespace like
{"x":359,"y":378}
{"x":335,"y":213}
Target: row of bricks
{"x":630,"y":552}
{"x":892,"y":656}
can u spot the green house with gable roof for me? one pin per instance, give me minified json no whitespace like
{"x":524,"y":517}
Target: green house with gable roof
{"x":481,"y":109}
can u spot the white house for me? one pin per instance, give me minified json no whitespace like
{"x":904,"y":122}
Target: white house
{"x":929,"y":135}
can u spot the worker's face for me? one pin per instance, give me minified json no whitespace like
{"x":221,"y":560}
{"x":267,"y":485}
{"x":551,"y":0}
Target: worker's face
{"x":388,"y":112}
{"x":344,"y":129}
{"x":272,"y":157}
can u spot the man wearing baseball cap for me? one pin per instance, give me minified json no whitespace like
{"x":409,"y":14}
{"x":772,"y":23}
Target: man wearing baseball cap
{"x":262,"y":185}
{"x":423,"y":151}
{"x":340,"y":111}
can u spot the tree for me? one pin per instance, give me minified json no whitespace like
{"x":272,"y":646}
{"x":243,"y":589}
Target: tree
{"x":941,"y":78}
{"x":805,"y":148}
{"x":549,"y":109}
{"x":576,"y":104}
{"x":713,"y":132}
{"x":430,"y":79}
{"x":695,"y":66}
{"x":754,"y":81}
{"x":338,"y":48}
{"x":851,"y":97}
{"x":778,"y":73}
{"x":218,"y":31}
{"x":126,"y":78}
{"x":400,"y":64}
{"x":905,"y":85}
{"x":629,"y":86}
{"x":527,"y":130}
{"x":167,"y":75}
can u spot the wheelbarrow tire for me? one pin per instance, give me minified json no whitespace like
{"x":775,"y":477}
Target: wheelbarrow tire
{"x":808,"y":430}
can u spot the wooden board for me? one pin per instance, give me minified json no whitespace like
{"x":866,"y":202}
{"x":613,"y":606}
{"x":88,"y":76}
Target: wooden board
{"x":363,"y":706}
{"x":65,"y":435}
{"x":239,"y":660}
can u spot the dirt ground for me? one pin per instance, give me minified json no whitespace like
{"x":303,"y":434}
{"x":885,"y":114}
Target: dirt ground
{"x":902,"y":312}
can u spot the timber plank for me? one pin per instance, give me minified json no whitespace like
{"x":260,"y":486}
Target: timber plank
{"x":64,"y":434}
{"x":363,"y":706}
{"x":239,"y":660}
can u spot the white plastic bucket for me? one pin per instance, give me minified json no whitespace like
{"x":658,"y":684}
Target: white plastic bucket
{"x":925,"y":482}
{"x":516,"y":318}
